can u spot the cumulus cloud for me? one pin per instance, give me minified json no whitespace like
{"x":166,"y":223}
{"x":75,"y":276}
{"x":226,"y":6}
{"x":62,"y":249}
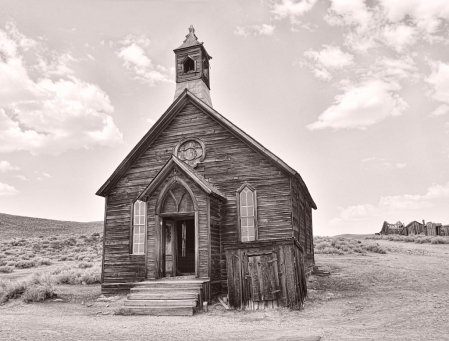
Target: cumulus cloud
{"x":47,"y":116}
{"x":399,"y":37}
{"x":392,"y":204}
{"x":362,"y":105}
{"x":7,"y":190}
{"x":397,"y":24}
{"x":6,"y":166}
{"x":393,"y":70}
{"x":439,"y":80}
{"x":441,"y":110}
{"x":255,"y":30}
{"x":292,"y":9}
{"x":329,"y":58}
{"x":22,"y":177}
{"x":425,"y":14}
{"x":137,"y":61}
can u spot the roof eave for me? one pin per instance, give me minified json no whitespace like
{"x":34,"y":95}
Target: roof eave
{"x":135,"y":152}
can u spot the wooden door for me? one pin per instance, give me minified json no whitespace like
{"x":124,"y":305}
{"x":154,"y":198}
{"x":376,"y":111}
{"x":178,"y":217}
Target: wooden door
{"x":264,"y":274}
{"x":168,"y":248}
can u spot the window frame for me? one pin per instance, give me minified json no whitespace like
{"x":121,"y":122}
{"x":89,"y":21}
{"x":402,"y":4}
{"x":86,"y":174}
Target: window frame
{"x":132,"y":228}
{"x":239,"y":220}
{"x":184,"y":72}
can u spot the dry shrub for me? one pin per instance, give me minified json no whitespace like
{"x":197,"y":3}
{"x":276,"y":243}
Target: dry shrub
{"x":42,"y":261}
{"x":322,"y":245}
{"x":24,"y":264}
{"x":375,"y":248}
{"x":6,"y":269}
{"x":423,"y":240}
{"x":85,"y":265}
{"x":439,"y":240}
{"x":34,"y":288}
{"x":70,"y":275}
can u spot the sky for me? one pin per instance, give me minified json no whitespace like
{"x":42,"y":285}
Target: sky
{"x":352,"y":94}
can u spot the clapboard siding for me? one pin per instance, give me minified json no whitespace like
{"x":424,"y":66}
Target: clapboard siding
{"x":119,"y":266}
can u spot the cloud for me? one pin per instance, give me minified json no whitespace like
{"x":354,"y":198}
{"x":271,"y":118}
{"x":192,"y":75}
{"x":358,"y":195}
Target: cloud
{"x":255,"y":30}
{"x":7,"y":190}
{"x":22,"y":177}
{"x":329,"y":58}
{"x":6,"y":166}
{"x":441,"y":110}
{"x":47,"y":116}
{"x":136,"y":60}
{"x":399,"y":37}
{"x":151,"y":121}
{"x":439,"y":80}
{"x":391,"y":204}
{"x":291,"y":9}
{"x":361,"y":105}
{"x":424,"y":14}
{"x":393,"y":70}
{"x":382,"y":164}
{"x":397,"y":24}
{"x":46,"y":175}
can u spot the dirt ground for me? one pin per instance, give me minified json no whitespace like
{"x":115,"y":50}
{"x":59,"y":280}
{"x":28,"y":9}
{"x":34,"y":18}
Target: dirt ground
{"x":402,"y":295}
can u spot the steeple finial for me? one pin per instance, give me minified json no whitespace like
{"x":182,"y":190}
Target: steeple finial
{"x":191,"y":38}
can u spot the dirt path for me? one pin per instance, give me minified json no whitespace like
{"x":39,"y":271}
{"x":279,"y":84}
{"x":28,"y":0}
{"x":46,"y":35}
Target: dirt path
{"x":403,"y":295}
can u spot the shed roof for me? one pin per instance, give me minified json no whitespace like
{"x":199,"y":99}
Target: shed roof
{"x":165,"y":119}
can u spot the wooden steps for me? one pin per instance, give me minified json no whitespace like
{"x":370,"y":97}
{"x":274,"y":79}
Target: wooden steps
{"x":161,"y":311}
{"x":164,"y":298}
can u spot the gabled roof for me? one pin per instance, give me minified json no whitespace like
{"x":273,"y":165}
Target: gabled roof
{"x":164,"y":121}
{"x":189,"y":171}
{"x":414,"y":221}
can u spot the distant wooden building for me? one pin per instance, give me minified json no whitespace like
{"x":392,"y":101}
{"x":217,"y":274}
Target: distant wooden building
{"x":397,"y":228}
{"x":433,"y":229}
{"x":415,"y":228}
{"x":196,"y":201}
{"x":444,"y":231}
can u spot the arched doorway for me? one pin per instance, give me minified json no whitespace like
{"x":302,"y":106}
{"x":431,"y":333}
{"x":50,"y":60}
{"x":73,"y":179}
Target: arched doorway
{"x":177,"y":212}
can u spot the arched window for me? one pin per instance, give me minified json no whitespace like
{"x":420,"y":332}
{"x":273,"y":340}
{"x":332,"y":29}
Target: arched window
{"x":189,"y":65}
{"x":139,"y":224}
{"x":246,"y":198}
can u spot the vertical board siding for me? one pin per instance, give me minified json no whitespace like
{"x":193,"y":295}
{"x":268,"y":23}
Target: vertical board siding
{"x":266,"y":274}
{"x":215,"y":245}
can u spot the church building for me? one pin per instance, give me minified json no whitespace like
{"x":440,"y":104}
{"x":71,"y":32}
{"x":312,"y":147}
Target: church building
{"x":200,"y":209}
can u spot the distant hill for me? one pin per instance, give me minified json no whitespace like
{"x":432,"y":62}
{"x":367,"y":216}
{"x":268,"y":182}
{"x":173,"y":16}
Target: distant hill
{"x":354,"y":236}
{"x":12,"y":226}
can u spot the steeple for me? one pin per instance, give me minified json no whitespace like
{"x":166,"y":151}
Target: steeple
{"x":192,"y":68}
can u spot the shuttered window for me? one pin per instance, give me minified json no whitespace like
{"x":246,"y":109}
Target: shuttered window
{"x":139,"y":218}
{"x":247,"y":204}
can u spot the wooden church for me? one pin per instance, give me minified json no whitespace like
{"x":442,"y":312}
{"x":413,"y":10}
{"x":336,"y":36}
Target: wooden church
{"x":199,"y":208}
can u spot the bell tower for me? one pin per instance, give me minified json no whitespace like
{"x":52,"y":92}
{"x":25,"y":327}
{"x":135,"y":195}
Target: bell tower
{"x":192,"y":68}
